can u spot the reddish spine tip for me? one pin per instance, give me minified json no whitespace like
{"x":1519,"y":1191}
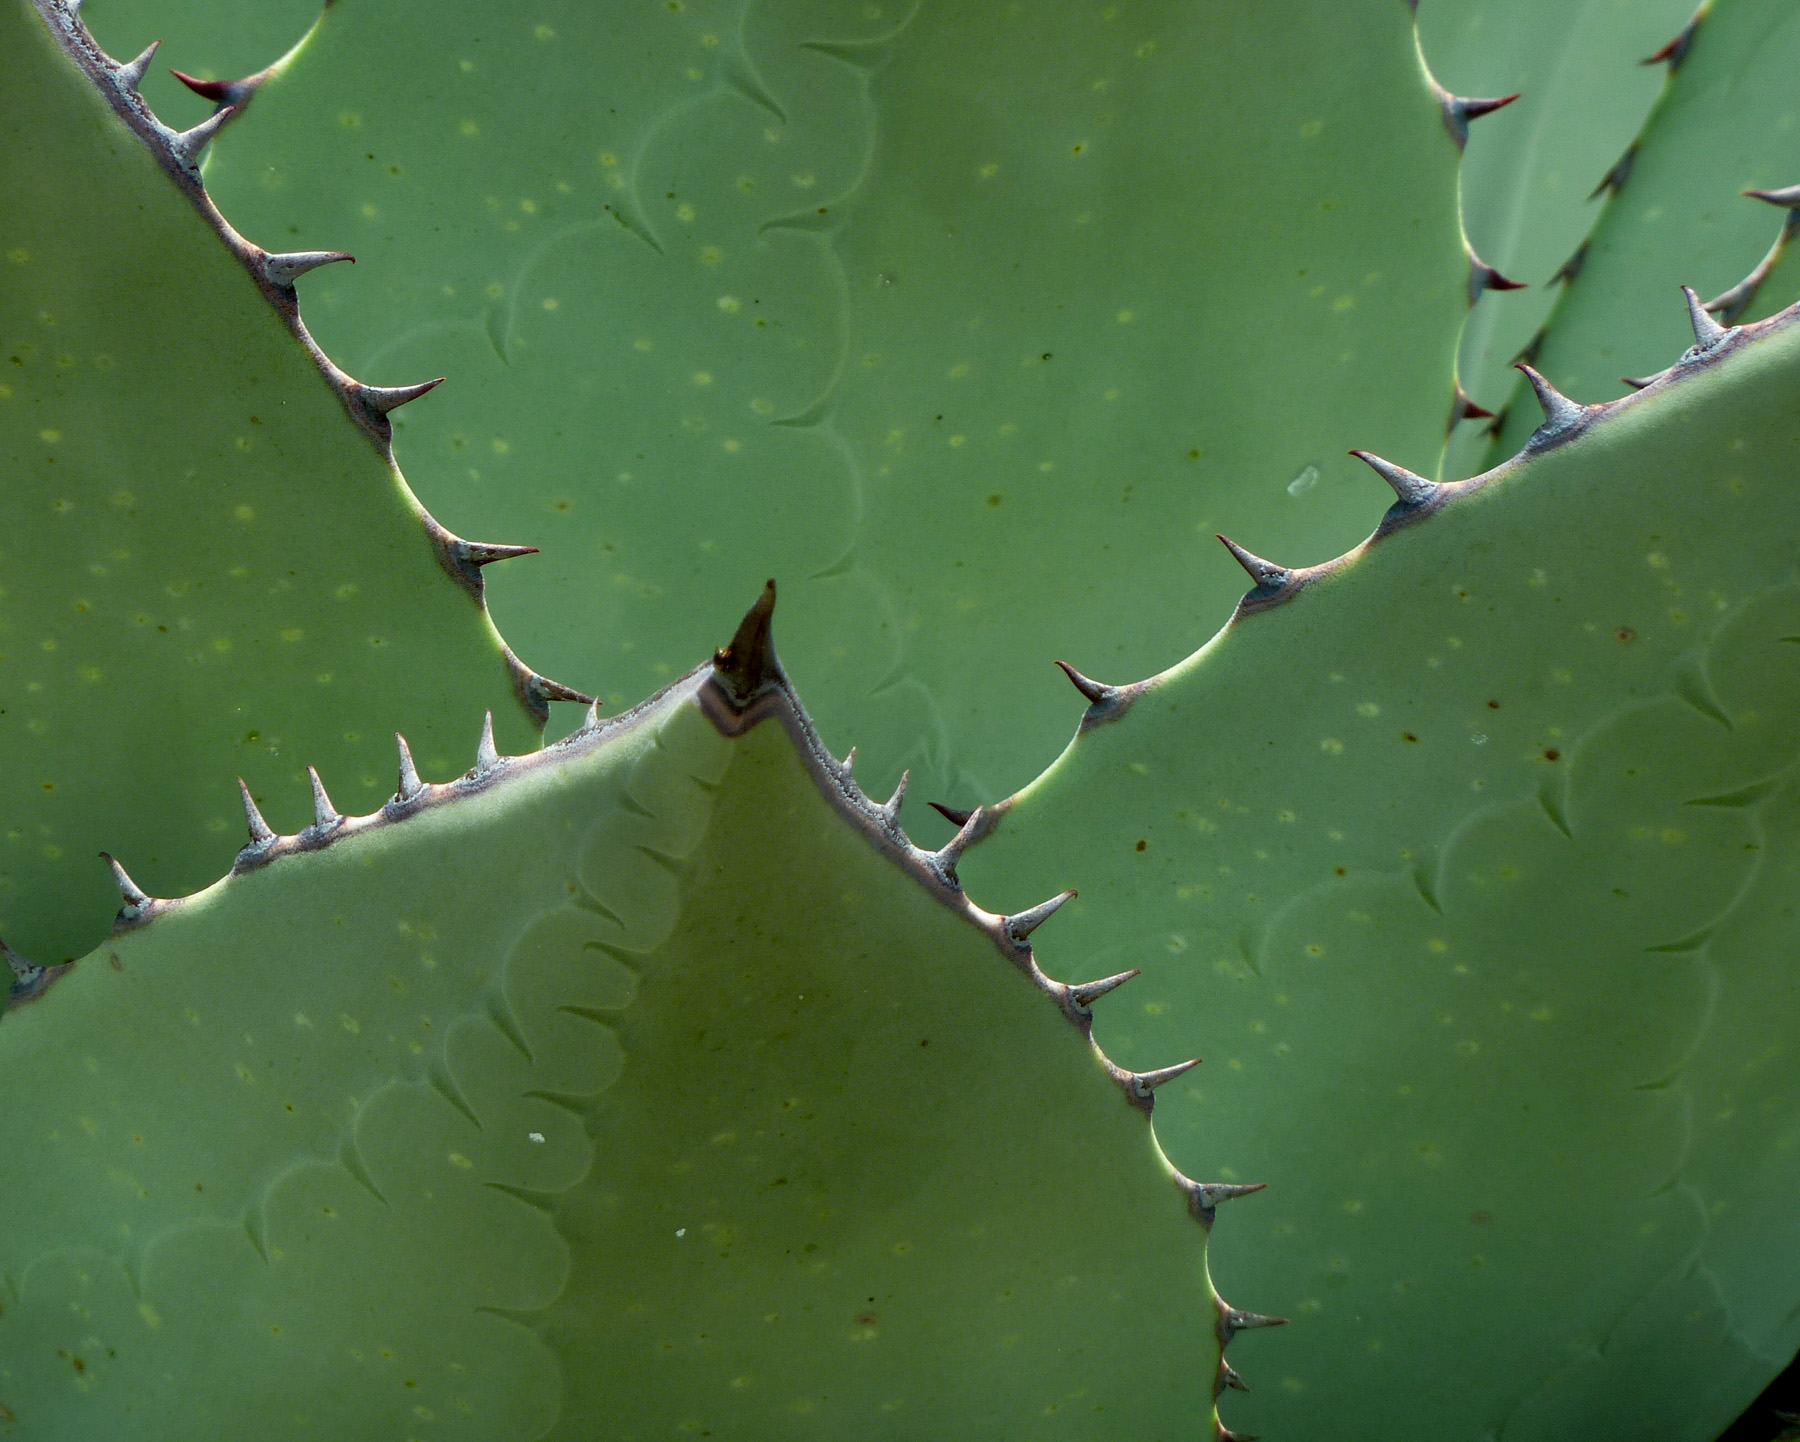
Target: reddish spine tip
{"x":217,"y":91}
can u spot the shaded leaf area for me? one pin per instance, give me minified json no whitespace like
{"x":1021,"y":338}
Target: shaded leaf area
{"x":971,"y":324}
{"x":208,"y":570}
{"x":1486,"y":931}
{"x":1725,"y":125}
{"x":646,"y":1083}
{"x":1530,"y":173}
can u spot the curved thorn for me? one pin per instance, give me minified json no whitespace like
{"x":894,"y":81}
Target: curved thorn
{"x":220,"y":92}
{"x":21,"y":969}
{"x":135,"y":898}
{"x":1571,"y":268}
{"x":410,"y":785}
{"x":748,"y":663}
{"x":1227,"y":1435}
{"x":1264,"y":573}
{"x":1210,"y":1194}
{"x":1412,"y":489}
{"x":1614,"y":179}
{"x":382,"y":399}
{"x":547,"y":690}
{"x":1145,"y":1082}
{"x":1459,"y":110}
{"x":955,"y":815}
{"x":898,"y":799}
{"x":1559,"y":410}
{"x":1464,"y":409}
{"x":591,"y":722}
{"x":1707,"y":330}
{"x":285,"y":268}
{"x":1788,"y":199}
{"x":1475,"y":109}
{"x":188,"y":144}
{"x":131,"y":73}
{"x":1096,"y":693}
{"x":1228,"y":1377}
{"x":951,"y":851}
{"x":1234,"y":1321}
{"x":1676,"y":50}
{"x":260,"y":834}
{"x":847,"y":767}
{"x":479,"y":553}
{"x":487,"y":756}
{"x":1483,"y":276}
{"x":1637,"y":383}
{"x":1089,"y":992}
{"x":324,"y":813}
{"x":1022,"y":924}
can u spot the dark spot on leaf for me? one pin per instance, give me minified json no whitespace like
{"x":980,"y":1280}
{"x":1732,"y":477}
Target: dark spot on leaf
{"x":1552,"y":754}
{"x":1625,"y":633}
{"x":1143,"y":845}
{"x":1409,"y":736}
{"x":1493,"y":705}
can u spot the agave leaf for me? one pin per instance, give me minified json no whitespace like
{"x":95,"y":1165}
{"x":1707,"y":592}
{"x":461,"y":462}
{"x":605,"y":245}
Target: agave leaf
{"x":211,"y":570}
{"x":1454,"y":855}
{"x":1528,"y":176}
{"x":973,"y":320}
{"x":1681,"y":218}
{"x":654,"y":1079}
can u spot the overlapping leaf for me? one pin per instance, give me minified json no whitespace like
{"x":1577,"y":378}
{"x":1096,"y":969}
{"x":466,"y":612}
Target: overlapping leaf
{"x":1463,"y":863}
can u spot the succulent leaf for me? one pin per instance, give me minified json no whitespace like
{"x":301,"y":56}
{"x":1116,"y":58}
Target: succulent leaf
{"x":1527,"y":172}
{"x":944,"y":314}
{"x":1682,"y":219}
{"x":209,"y":570}
{"x":1483,"y":921}
{"x":652,"y":1077}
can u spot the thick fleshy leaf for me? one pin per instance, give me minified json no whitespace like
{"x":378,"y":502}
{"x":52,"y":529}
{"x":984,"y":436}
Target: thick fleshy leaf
{"x":650,"y":1083}
{"x":1483,"y":928}
{"x":972,"y":323}
{"x":208,"y":569}
{"x":1723,"y":127}
{"x":1530,"y":173}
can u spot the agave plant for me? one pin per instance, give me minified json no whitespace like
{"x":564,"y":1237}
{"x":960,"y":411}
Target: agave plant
{"x":664,"y":1079}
